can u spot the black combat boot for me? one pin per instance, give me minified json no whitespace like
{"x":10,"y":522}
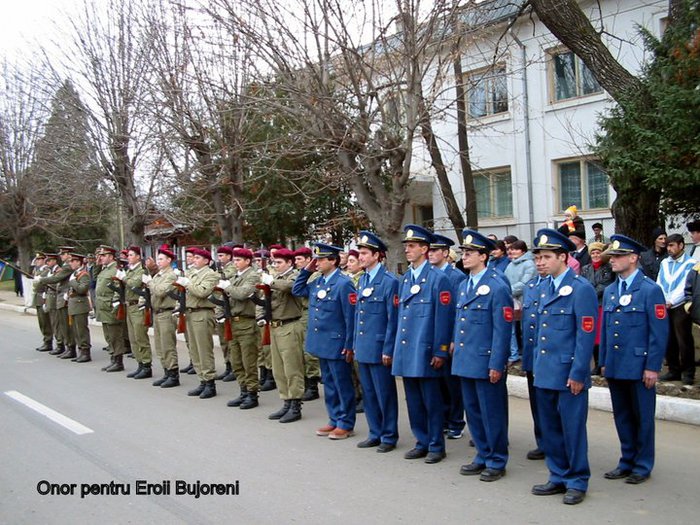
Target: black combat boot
{"x":197,"y":391}
{"x":186,"y":370}
{"x":294,"y":412}
{"x":60,"y":348}
{"x":46,"y":347}
{"x":263,"y":375}
{"x":117,"y":365}
{"x":223,"y":374}
{"x":84,"y":356}
{"x":209,"y":390}
{"x":172,"y":380}
{"x":145,"y":372}
{"x":136,"y":372}
{"x":251,"y":401}
{"x":69,"y":353}
{"x":269,"y":383}
{"x":111,"y":361}
{"x":282,"y":411}
{"x":311,"y":391}
{"x":160,"y":381}
{"x":239,"y":400}
{"x":230,"y":376}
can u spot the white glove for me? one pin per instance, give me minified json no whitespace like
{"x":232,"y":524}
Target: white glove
{"x":115,"y":304}
{"x":177,"y":272}
{"x":72,"y":277}
{"x":65,"y":296}
{"x":267,"y":279}
{"x":223,"y":284}
{"x":261,"y":322}
{"x":145,"y":278}
{"x":121,"y":274}
{"x":183,"y":281}
{"x":37,"y":280}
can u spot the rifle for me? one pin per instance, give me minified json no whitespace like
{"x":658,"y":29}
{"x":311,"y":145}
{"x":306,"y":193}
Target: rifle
{"x":224,"y":303}
{"x":145,"y":292}
{"x":16,"y":268}
{"x":181,"y":308}
{"x":266,"y":303}
{"x":118,"y":287}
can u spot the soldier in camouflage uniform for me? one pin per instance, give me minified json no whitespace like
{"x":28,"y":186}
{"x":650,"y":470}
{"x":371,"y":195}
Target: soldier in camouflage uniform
{"x":79,"y":307}
{"x":312,"y":366}
{"x":60,"y":280}
{"x":41,"y":269}
{"x":106,"y":302}
{"x":226,"y":271}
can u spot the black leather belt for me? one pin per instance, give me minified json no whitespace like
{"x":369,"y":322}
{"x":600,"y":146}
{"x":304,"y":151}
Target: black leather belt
{"x":133,"y":303}
{"x":282,"y":322}
{"x":238,"y":318}
{"x":190,"y":310}
{"x":161,"y":310}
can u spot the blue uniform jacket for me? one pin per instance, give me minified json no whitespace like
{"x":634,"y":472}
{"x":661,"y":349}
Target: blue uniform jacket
{"x":331,"y":318}
{"x":424,"y":324}
{"x":634,"y":335}
{"x":455,"y":277}
{"x":532,"y":295}
{"x":566,"y":334}
{"x":483,"y":326}
{"x":376,"y":315}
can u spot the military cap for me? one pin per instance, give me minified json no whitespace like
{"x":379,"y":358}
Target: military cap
{"x":77,"y":257}
{"x":548,"y":239}
{"x":65,"y":249}
{"x":322,"y":250}
{"x":284,"y":253}
{"x":201,"y":252}
{"x":353,"y":253}
{"x":415,"y":233}
{"x":165,"y":250}
{"x":135,"y":249}
{"x":53,"y":256}
{"x":303,"y":252}
{"x":623,"y":245}
{"x":263,"y":254}
{"x":277,"y":247}
{"x":243,"y":252}
{"x":369,"y":239}
{"x":440,"y":242}
{"x":106,"y":250}
{"x":473,"y":240}
{"x":40,"y":255}
{"x":225,"y":249}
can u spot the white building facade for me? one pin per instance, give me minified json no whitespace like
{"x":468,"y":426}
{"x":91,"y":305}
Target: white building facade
{"x":533,"y":110}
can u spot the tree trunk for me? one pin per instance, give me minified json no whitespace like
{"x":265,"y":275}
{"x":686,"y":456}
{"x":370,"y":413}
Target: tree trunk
{"x":636,"y":211}
{"x":24,"y":249}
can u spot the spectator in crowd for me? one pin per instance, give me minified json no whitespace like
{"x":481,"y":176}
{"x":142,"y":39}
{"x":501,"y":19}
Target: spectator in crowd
{"x":19,"y":290}
{"x":680,"y":353}
{"x":581,"y":253}
{"x":519,"y":272}
{"x":694,"y":229}
{"x":692,"y":294}
{"x":499,"y":260}
{"x":572,"y":222}
{"x":650,"y":260}
{"x":508,"y":240}
{"x":599,"y":273}
{"x":598,"y":234}
{"x":492,"y":236}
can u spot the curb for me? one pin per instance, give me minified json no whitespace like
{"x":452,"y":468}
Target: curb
{"x":675,"y":409}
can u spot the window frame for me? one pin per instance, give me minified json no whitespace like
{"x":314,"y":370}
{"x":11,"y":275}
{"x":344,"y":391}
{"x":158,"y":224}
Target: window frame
{"x":490,"y":73}
{"x":492,"y":174}
{"x":584,"y":187}
{"x":551,"y":77}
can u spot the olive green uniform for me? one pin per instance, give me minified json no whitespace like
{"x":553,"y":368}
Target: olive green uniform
{"x":244,"y":345}
{"x":79,"y":307}
{"x":227,"y":272}
{"x":264,"y":353}
{"x":201,"y":322}
{"x":137,"y":330}
{"x":286,"y":334}
{"x":164,"y":324}
{"x":105,"y":312}
{"x":60,"y":280}
{"x":42,"y":312}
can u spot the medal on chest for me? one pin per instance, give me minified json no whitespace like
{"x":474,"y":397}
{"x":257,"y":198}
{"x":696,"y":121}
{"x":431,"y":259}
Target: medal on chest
{"x":367,"y":292}
{"x":565,"y":290}
{"x":625,"y":300}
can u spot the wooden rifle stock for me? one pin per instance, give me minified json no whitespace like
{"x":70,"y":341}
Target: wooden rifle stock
{"x":268,"y":312}
{"x":228,"y":332}
{"x":147,"y":318}
{"x":121,"y":312}
{"x":266,"y":335}
{"x":181,"y":319}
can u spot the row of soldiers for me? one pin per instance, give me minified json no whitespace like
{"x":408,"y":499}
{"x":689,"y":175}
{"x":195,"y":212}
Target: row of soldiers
{"x":445,"y":332}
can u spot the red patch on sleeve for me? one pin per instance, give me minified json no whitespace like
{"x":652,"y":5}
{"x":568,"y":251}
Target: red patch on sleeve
{"x":587,"y":324}
{"x":660,"y":310}
{"x":508,"y":314}
{"x":352,"y":298}
{"x":445,"y":297}
{"x":396,"y":300}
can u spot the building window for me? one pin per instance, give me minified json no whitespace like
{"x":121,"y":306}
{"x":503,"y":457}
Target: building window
{"x":570,"y":77}
{"x":486,"y":92}
{"x":494,"y":195}
{"x":584,"y":184}
{"x":423,"y":215}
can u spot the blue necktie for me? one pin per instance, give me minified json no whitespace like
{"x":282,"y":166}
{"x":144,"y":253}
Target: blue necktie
{"x":623,"y":288}
{"x":470,"y":287}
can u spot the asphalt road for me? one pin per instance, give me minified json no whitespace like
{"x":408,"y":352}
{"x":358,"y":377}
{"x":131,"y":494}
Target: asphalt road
{"x":285,"y":473}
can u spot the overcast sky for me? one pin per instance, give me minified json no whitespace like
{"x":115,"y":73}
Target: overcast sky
{"x":24,"y":22}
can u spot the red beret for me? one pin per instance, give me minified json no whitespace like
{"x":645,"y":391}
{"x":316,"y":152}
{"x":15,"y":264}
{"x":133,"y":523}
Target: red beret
{"x":243,"y":252}
{"x":135,"y":249}
{"x":354,"y":253}
{"x":284,"y":253}
{"x":225,"y":249}
{"x":277,"y":247}
{"x":165,"y":250}
{"x":191,"y":249}
{"x":304,"y":252}
{"x":201,"y":252}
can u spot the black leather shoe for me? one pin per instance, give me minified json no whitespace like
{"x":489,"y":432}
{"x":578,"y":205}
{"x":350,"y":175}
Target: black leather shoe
{"x":145,"y":373}
{"x":636,"y":479}
{"x":385,"y":447}
{"x":548,"y":489}
{"x":472,"y":469}
{"x":535,"y":454}
{"x":617,"y":473}
{"x":471,"y":443}
{"x":209,"y":390}
{"x":368,"y":443}
{"x":237,"y":402}
{"x":435,"y":457}
{"x":282,"y":411}
{"x":669,"y":376}
{"x":415,"y":453}
{"x":492,"y":474}
{"x":574,"y":497}
{"x":197,"y":391}
{"x":251,"y":401}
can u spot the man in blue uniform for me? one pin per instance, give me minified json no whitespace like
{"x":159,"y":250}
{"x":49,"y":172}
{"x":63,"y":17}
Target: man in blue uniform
{"x":423,"y":337}
{"x":482,"y":333}
{"x":566,"y":333}
{"x":329,"y":334}
{"x":375,"y":331}
{"x":451,"y":392}
{"x":532,"y":296}
{"x":633,"y":342}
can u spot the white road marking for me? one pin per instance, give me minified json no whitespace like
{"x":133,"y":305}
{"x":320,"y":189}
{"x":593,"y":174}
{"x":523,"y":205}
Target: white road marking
{"x":50,"y":413}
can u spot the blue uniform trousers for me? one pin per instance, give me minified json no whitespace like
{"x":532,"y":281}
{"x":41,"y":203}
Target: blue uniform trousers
{"x":381,"y":402}
{"x":338,"y":393}
{"x":563,"y":419}
{"x":531,"y":394}
{"x":634,"y":406}
{"x":486,"y":405}
{"x":454,"y":406}
{"x":425,"y":415}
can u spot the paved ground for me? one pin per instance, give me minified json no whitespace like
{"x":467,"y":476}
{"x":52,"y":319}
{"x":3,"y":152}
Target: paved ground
{"x":285,"y":473}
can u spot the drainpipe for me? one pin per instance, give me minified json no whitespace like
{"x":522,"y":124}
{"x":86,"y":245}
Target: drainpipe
{"x":528,"y":152}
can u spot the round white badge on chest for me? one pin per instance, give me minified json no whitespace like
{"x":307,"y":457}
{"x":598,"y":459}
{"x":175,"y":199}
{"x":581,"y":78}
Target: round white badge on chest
{"x":483,"y":290}
{"x":565,"y":290}
{"x":415,"y":289}
{"x":367,"y":292}
{"x":322,"y":294}
{"x":625,"y":300}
